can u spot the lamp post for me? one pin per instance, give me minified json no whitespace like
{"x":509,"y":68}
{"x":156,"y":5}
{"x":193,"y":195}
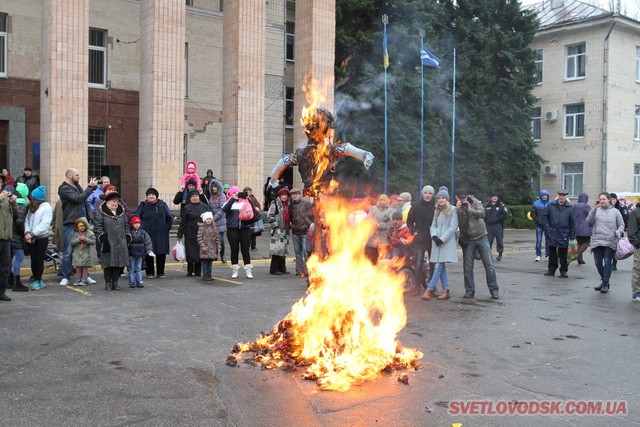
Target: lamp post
{"x":422,"y":33}
{"x":385,"y":21}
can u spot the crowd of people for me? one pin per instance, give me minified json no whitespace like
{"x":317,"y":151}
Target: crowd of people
{"x":426,"y":231}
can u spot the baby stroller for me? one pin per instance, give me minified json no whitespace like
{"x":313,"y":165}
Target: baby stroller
{"x":408,"y":271}
{"x":52,"y":255}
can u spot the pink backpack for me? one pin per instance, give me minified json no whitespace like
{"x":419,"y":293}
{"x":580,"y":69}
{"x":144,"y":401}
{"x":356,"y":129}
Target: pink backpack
{"x":246,"y":211}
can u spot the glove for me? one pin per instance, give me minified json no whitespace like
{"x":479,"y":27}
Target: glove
{"x":438,"y":241}
{"x":151,"y":254}
{"x":103,"y":238}
{"x":619,"y":234}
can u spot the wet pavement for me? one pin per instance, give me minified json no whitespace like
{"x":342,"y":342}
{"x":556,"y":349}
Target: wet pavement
{"x":156,"y":356}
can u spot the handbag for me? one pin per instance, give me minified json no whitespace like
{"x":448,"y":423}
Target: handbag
{"x":572,"y":251}
{"x":258,"y":226}
{"x":624,"y":249}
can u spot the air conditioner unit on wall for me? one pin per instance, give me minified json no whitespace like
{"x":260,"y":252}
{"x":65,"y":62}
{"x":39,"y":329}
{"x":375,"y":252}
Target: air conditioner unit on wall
{"x":551,"y":116}
{"x":550,"y":169}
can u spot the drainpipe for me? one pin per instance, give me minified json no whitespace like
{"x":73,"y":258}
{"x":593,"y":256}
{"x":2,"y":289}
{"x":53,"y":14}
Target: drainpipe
{"x":605,"y":108}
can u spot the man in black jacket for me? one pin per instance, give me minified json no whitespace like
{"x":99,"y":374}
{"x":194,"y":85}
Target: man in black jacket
{"x":74,"y":206}
{"x":624,"y":211}
{"x":633,"y":232}
{"x":419,"y":222}
{"x":301,"y":218}
{"x":29,"y":178}
{"x":495,"y":214}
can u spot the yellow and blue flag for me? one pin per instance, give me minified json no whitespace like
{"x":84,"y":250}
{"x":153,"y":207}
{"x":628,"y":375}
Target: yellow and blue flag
{"x":385,"y":52}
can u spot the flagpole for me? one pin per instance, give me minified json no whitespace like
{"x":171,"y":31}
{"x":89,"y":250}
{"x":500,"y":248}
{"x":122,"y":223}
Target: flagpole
{"x":453,"y":127}
{"x":422,"y":33}
{"x":385,"y":21}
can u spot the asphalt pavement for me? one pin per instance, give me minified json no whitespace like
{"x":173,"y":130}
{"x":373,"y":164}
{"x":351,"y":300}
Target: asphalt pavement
{"x":155,"y":356}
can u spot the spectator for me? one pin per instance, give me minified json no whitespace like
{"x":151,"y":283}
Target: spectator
{"x":8,"y":179}
{"x":608,"y":227}
{"x":8,"y":211}
{"x":190,"y":217}
{"x":279,"y":218}
{"x":537,"y":213}
{"x":74,"y":206}
{"x":377,"y":246}
{"x":634,"y":239}
{"x":157,"y":222}
{"x":216,"y":202}
{"x":624,"y":211}
{"x":206,"y":182}
{"x":583,"y":229}
{"x":300,"y":211}
{"x":82,"y":239}
{"x":394,"y":203}
{"x":559,"y":227}
{"x":404,"y":201}
{"x":443,"y":233}
{"x":419,"y":220}
{"x":95,"y":198}
{"x":399,"y":237}
{"x":140,"y":247}
{"x":209,"y":241}
{"x":238,"y":233}
{"x":256,"y":205}
{"x":36,"y":233}
{"x":473,"y":237}
{"x":496,"y":214}
{"x":111,"y":226}
{"x":17,"y":241}
{"x":179,"y":197}
{"x":190,"y":174}
{"x":32,"y":181}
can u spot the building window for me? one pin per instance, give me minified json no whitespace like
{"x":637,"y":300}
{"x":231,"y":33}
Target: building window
{"x":576,"y":59}
{"x":291,"y":29}
{"x":572,"y":178}
{"x":574,"y":121}
{"x":186,"y":70}
{"x":97,"y":58}
{"x":97,"y":150}
{"x":636,"y":178}
{"x":536,"y":124}
{"x":538,"y":62}
{"x":289,"y":92}
{"x":3,"y":44}
{"x":638,"y":64}
{"x":636,"y":132}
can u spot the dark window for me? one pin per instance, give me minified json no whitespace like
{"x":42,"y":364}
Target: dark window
{"x":291,"y":30}
{"x":97,"y":150}
{"x":97,"y":58}
{"x":289,"y":92}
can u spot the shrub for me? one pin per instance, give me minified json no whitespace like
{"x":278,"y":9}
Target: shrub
{"x":518,"y":217}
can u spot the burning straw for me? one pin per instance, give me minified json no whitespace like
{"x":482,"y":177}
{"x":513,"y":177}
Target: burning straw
{"x":345,"y":329}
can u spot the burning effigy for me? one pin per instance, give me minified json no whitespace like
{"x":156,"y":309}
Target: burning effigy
{"x":344,"y":330}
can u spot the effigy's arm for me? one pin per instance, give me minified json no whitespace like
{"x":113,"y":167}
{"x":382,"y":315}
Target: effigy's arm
{"x":286,"y":161}
{"x":346,"y":149}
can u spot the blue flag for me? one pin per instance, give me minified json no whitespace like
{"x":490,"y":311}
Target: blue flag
{"x":429,"y":59}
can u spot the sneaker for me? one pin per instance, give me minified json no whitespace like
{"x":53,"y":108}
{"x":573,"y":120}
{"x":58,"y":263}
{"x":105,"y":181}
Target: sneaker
{"x":538,"y":258}
{"x":140,"y":285}
{"x":35,"y":285}
{"x":467,"y":295}
{"x":89,"y":281}
{"x":160,"y":276}
{"x":495,"y":295}
{"x":636,"y":298}
{"x":64,"y":281}
{"x":78,"y":283}
{"x":546,"y":258}
{"x":132,"y":285}
{"x":150,"y":276}
{"x":4,"y":297}
{"x":42,"y":284}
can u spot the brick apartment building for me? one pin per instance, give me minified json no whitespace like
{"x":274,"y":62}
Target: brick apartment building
{"x":587,"y":120}
{"x":141,"y":86}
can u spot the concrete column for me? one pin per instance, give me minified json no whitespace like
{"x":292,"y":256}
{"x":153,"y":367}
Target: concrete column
{"x":315,"y":41}
{"x":160,"y":149}
{"x":64,"y":91}
{"x":243,"y":106}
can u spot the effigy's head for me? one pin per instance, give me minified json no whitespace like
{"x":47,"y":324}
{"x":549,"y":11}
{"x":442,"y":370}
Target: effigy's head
{"x":319,"y":125}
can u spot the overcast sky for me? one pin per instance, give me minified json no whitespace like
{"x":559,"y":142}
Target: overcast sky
{"x":629,"y":7}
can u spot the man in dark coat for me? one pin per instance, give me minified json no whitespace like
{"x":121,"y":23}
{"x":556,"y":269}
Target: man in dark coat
{"x":559,"y":227}
{"x":190,"y":217}
{"x":495,"y":214}
{"x":419,"y":221}
{"x":74,"y":206}
{"x":624,"y":211}
{"x":301,"y":219}
{"x":634,"y":238}
{"x":29,"y":178}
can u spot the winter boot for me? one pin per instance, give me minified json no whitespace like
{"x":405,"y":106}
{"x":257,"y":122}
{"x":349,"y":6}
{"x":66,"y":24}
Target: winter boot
{"x":605,"y":288}
{"x":234,"y":269}
{"x":426,"y":295}
{"x":10,"y":282}
{"x":445,"y":295}
{"x":18,"y":286}
{"x":114,"y":282}
{"x":499,"y":257}
{"x":247,"y":271}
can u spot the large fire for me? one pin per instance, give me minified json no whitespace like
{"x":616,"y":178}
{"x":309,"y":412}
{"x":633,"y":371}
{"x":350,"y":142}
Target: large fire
{"x":345,"y":329}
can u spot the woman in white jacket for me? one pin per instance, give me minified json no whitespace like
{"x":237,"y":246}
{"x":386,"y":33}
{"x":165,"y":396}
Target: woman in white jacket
{"x":607,"y":227}
{"x":36,"y":233}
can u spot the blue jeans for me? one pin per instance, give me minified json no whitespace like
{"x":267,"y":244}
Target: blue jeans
{"x":67,"y":268}
{"x":603,"y":257}
{"x":539,"y":236}
{"x":300,"y":249}
{"x":18,"y":257}
{"x":468,"y":254}
{"x":419,"y":251}
{"x":135,"y":270}
{"x":439,"y":273}
{"x":207,"y":269}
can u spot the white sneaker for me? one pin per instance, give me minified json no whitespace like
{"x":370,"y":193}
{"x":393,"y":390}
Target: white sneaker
{"x":546,"y":258}
{"x":90,"y":281}
{"x":78,"y":283}
{"x":64,"y":282}
{"x":537,"y":259}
